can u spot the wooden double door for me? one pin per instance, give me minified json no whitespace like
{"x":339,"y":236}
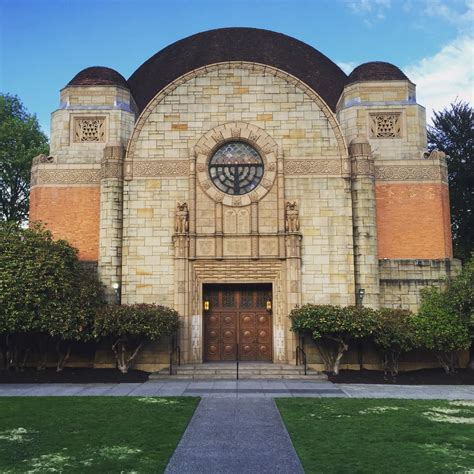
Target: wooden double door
{"x":237,"y":323}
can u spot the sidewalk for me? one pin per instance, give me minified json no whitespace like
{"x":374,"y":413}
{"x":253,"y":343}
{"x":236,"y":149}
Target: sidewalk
{"x":242,"y":389}
{"x":235,"y":436}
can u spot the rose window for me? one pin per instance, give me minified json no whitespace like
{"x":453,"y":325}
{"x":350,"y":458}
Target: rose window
{"x":236,"y":168}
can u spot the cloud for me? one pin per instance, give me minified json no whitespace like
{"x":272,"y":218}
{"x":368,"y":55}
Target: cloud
{"x":370,"y":9}
{"x":446,"y":76}
{"x":458,"y":13}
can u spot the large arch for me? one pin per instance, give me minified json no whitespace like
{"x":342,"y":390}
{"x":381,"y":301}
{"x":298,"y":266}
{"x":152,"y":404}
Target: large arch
{"x":306,"y":89}
{"x":238,"y":44}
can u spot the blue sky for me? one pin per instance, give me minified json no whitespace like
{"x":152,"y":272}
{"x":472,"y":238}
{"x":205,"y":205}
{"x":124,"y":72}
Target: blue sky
{"x":44,"y":43}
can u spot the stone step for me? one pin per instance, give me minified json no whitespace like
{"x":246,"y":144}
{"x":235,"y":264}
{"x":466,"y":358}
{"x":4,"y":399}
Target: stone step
{"x":312,"y":377}
{"x":247,"y":370}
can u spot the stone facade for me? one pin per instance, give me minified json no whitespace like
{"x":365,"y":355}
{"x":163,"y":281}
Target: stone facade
{"x":347,"y":199}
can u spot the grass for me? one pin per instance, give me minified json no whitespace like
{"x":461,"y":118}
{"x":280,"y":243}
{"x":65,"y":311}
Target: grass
{"x":91,"y":434}
{"x":381,"y":436}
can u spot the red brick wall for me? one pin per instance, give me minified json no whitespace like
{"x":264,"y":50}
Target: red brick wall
{"x":413,"y":221}
{"x":71,"y":214}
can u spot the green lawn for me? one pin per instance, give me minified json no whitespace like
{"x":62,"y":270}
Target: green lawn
{"x":381,"y":436}
{"x":91,"y":434}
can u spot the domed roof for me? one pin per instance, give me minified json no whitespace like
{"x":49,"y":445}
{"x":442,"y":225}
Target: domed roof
{"x":238,"y":44}
{"x":376,"y":71}
{"x":98,"y":76}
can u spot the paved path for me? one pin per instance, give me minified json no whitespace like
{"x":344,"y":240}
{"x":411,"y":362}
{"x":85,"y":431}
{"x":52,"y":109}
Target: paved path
{"x":243,"y":389}
{"x":235,"y":436}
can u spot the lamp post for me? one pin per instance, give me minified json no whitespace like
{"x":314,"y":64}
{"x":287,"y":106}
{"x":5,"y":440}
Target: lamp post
{"x":116,"y":288}
{"x":360,"y":352}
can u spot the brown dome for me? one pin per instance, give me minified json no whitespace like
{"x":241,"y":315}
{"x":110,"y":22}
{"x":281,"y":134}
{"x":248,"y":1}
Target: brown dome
{"x":98,"y":76}
{"x":238,"y":44}
{"x":376,"y":71}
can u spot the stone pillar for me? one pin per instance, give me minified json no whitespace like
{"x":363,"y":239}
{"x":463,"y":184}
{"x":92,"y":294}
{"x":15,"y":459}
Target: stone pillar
{"x":364,"y":223}
{"x":254,"y":229}
{"x":181,"y":240}
{"x":293,"y":270}
{"x":281,"y":205}
{"x":111,"y":214}
{"x":192,"y":204}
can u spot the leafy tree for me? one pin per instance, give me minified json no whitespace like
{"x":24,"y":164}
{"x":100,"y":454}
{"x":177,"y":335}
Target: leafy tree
{"x":20,"y":140}
{"x":130,"y":326}
{"x":333,"y":328}
{"x":452,"y":133}
{"x":393,"y":336}
{"x":45,"y":295}
{"x":440,"y":328}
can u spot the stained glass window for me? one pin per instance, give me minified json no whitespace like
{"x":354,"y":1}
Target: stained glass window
{"x":236,"y":168}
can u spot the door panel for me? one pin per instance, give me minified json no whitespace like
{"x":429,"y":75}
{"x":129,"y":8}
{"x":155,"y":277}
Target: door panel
{"x":237,"y":321}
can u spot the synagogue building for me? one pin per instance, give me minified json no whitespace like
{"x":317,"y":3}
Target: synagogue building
{"x":238,"y":173}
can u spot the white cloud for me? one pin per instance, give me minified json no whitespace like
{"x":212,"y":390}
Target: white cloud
{"x":446,"y":76}
{"x":370,"y":9}
{"x":455,"y":12}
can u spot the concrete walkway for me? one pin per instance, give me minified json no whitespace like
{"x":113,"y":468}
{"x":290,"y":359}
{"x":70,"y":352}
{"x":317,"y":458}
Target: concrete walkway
{"x":243,"y":389}
{"x":235,"y":436}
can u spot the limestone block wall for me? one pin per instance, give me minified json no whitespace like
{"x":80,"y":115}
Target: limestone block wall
{"x":402,"y":280}
{"x":314,"y":157}
{"x":65,"y":192}
{"x":327,"y":247}
{"x":362,"y":102}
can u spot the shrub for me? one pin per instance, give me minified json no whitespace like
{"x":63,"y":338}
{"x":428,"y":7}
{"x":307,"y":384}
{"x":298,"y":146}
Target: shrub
{"x":45,"y":295}
{"x":393,"y":335}
{"x":130,"y":326}
{"x":333,"y":328}
{"x":440,"y":328}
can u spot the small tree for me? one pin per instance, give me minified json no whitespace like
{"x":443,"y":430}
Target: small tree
{"x":333,"y":328}
{"x":439,"y":328}
{"x":393,"y":336}
{"x":43,"y":292}
{"x":130,"y":326}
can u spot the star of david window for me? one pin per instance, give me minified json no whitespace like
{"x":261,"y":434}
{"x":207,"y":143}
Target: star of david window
{"x":236,"y":168}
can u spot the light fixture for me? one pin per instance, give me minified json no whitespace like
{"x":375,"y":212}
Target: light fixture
{"x":269,"y":305}
{"x":115,"y":286}
{"x":206,"y":305}
{"x":361,"y":294}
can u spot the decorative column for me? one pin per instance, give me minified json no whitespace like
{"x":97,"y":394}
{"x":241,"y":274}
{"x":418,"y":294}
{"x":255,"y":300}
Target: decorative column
{"x":281,"y":204}
{"x":181,"y":241}
{"x":111,"y":219}
{"x":254,"y":229}
{"x":366,"y":268}
{"x":293,"y":268}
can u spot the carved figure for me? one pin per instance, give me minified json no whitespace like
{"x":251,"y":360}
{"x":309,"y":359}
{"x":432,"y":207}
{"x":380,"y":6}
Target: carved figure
{"x":437,"y":154}
{"x":292,"y":223}
{"x":182,"y":218}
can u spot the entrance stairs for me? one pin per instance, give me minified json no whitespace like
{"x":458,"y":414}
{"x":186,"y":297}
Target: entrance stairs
{"x":247,"y":370}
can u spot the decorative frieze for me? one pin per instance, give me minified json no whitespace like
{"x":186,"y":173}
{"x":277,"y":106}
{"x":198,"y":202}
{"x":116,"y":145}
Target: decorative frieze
{"x":67,"y":176}
{"x":317,"y":167}
{"x":143,"y":169}
{"x":410,"y":173}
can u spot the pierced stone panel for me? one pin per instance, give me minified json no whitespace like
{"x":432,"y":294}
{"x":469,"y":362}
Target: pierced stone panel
{"x":385,"y":125}
{"x":89,"y":130}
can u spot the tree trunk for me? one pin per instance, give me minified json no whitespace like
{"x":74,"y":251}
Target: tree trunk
{"x":62,"y":357}
{"x":120,"y":352}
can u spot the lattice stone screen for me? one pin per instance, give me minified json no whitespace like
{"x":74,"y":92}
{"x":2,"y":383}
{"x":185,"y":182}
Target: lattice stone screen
{"x":385,"y":125}
{"x":89,"y":130}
